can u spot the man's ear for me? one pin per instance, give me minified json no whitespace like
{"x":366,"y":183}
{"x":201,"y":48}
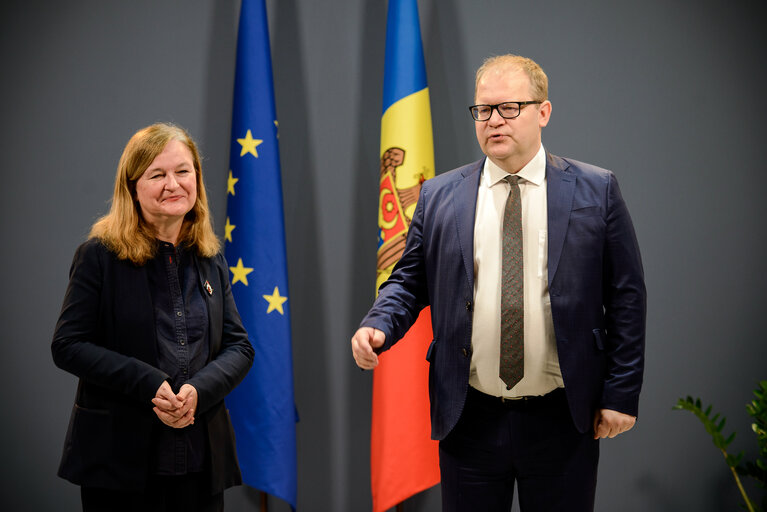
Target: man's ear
{"x":544,"y":113}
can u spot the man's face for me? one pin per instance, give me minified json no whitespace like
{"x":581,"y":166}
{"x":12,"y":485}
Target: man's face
{"x":510,"y":143}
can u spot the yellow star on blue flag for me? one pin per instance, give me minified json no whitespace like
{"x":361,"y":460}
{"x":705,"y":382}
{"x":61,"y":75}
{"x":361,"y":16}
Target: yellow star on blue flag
{"x":275,"y":301}
{"x":228,"y":228}
{"x":240,"y":273}
{"x":249,"y":145}
{"x":230,"y":183}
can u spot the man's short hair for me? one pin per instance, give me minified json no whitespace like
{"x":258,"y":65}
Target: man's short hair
{"x":539,"y":82}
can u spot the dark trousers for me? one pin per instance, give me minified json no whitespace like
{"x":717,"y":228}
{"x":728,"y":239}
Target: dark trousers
{"x":185,"y":493}
{"x":531,"y":442}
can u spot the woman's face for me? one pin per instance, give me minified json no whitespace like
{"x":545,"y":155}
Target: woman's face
{"x":168,"y":188}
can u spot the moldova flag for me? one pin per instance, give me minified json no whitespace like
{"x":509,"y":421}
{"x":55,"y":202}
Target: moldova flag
{"x":403,"y":458}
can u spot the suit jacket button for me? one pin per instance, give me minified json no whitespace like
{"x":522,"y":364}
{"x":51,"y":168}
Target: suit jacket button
{"x":468,"y":305}
{"x":465,"y":352}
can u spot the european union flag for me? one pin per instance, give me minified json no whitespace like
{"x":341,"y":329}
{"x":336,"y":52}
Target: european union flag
{"x":262,"y":406}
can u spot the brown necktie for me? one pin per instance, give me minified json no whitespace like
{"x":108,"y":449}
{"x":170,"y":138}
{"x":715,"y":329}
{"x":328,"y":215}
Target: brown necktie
{"x":512,"y":366}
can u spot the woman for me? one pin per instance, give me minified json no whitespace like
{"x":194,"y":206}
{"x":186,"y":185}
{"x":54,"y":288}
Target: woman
{"x":150,"y":327}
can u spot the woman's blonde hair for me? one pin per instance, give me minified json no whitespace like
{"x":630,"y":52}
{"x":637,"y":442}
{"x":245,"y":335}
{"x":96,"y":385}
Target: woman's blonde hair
{"x":123,"y":230}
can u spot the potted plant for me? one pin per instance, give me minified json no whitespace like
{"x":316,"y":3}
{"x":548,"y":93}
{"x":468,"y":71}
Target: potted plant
{"x":714,"y":425}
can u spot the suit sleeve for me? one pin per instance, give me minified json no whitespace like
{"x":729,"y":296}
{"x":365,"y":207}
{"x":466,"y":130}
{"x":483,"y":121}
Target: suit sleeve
{"x":79,"y":346}
{"x":625,"y":303}
{"x":231,"y":364}
{"x":402,"y":297}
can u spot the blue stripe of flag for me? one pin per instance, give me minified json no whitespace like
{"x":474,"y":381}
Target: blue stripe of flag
{"x":404,"y":68}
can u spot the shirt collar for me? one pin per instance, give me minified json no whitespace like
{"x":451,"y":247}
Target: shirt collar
{"x":168,"y":247}
{"x":534,"y":171}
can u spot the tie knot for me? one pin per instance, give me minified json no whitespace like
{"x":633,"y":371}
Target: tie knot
{"x":513,"y":179}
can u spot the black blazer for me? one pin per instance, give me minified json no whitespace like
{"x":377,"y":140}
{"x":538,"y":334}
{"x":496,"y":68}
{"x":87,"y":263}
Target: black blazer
{"x":106,"y":336}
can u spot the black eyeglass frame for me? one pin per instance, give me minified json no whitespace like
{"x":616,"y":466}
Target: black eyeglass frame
{"x":519,"y":104}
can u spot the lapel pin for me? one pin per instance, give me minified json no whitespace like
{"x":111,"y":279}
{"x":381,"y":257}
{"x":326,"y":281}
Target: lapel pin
{"x":208,"y":288}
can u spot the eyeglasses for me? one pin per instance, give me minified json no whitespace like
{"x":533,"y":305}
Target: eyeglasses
{"x":507,"y":109}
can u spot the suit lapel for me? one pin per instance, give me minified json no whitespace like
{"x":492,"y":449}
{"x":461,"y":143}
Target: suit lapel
{"x":560,"y":188}
{"x":465,"y":202}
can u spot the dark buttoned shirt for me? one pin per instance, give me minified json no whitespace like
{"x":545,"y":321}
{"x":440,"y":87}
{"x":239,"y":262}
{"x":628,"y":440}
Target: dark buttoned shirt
{"x":183,"y":343}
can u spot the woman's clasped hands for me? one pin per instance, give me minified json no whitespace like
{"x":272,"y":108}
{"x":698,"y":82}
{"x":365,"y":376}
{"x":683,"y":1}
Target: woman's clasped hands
{"x":175,"y":410}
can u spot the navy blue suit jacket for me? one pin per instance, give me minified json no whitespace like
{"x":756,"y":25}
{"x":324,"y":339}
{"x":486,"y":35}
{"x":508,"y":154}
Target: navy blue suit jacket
{"x":596,"y":285}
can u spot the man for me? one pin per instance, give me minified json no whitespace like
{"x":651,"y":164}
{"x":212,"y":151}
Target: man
{"x":532,"y":270}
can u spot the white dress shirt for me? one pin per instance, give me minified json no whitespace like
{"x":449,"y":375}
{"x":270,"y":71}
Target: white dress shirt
{"x":542,"y":373}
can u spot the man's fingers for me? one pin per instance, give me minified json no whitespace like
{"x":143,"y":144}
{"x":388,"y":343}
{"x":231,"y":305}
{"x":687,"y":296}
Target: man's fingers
{"x":361,"y":346}
{"x":378,"y":338}
{"x":362,"y":350}
{"x":366,"y":361}
{"x":599,"y":430}
{"x":364,"y":343}
{"x":609,"y":423}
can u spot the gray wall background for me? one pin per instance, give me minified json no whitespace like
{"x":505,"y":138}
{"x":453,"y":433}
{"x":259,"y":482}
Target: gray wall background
{"x":667,"y":93}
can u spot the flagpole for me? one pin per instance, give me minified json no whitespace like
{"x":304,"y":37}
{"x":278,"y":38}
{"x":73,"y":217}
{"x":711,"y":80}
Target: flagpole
{"x":265,"y":503}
